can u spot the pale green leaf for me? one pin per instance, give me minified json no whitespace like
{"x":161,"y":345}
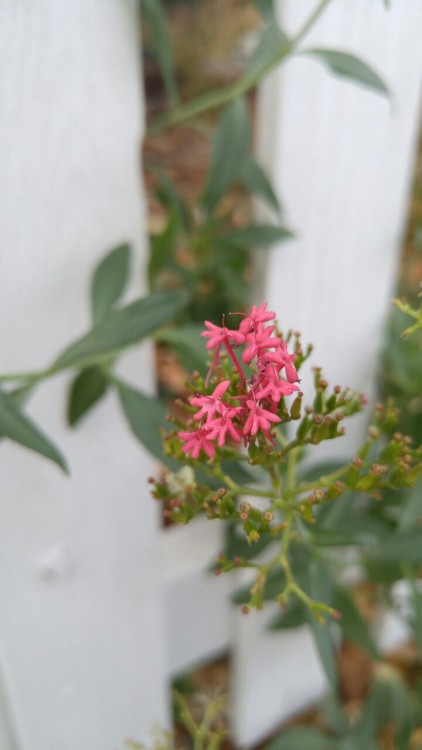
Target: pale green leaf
{"x":256,"y":236}
{"x":187,"y":342}
{"x":412,"y":507}
{"x":160,"y":36}
{"x":254,"y":179}
{"x":301,"y":738}
{"x":352,"y":624}
{"x":88,"y":387}
{"x":320,"y":590}
{"x":121,"y":329}
{"x":349,"y":66}
{"x":146,"y":415}
{"x":266,"y":8}
{"x":231,"y":146}
{"x":16,"y":426}
{"x":109,"y":281}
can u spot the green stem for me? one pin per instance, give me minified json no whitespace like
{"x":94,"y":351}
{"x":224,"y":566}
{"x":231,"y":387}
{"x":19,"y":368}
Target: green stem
{"x":311,"y":20}
{"x":221,"y":96}
{"x":28,"y":377}
{"x":324,"y":481}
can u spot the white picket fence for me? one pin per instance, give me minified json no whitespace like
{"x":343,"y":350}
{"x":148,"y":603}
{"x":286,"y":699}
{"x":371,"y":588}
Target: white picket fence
{"x":98,"y":605}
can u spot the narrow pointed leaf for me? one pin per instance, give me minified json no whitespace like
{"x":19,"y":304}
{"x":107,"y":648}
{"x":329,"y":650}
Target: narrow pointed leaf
{"x":301,"y":738}
{"x":231,"y":146}
{"x":266,"y":8}
{"x":16,"y":426}
{"x":254,"y":179}
{"x":187,"y":342}
{"x":145,"y":415}
{"x":399,"y":547}
{"x":412,"y":508}
{"x":320,"y":590}
{"x":349,"y":66}
{"x":156,"y":19}
{"x":256,"y":236}
{"x":109,"y":281}
{"x":351,"y":623}
{"x":121,"y":329}
{"x":87,"y":388}
{"x":161,"y":252}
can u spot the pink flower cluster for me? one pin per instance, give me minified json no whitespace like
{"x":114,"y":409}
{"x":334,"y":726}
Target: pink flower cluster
{"x":260,"y":395}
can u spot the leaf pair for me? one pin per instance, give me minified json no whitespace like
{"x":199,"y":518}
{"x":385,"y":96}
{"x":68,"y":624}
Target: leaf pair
{"x":113,"y":331}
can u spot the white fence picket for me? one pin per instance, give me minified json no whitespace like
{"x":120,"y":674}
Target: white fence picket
{"x":80,"y":602}
{"x":85,"y":652}
{"x":341,"y":157}
{"x":197,"y":604}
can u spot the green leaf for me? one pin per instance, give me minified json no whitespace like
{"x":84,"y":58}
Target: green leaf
{"x":412,"y":507}
{"x":401,"y":548}
{"x":231,"y":146}
{"x":254,"y":179}
{"x":349,"y":66}
{"x":146,"y":415}
{"x":160,"y":35}
{"x":295,"y":614}
{"x":301,"y":738}
{"x":87,"y":388}
{"x":161,"y":253}
{"x":187,"y":342}
{"x":386,"y":705}
{"x":266,"y":8}
{"x":256,"y":236}
{"x":320,"y":590}
{"x":352,"y":624}
{"x":416,"y":621}
{"x":171,"y":198}
{"x":109,"y":281}
{"x":121,"y":329}
{"x":18,"y":427}
{"x":333,"y":715}
{"x":237,"y":290}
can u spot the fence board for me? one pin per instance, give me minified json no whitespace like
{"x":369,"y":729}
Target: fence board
{"x":80,"y":605}
{"x":197,"y":605}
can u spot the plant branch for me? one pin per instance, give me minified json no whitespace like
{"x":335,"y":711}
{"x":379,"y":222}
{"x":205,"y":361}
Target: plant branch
{"x":218,"y":97}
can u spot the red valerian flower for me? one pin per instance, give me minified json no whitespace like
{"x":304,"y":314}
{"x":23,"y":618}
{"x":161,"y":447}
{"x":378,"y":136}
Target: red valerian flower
{"x":259,"y":341}
{"x":258,"y":419}
{"x":220,"y":426}
{"x":221,"y":335}
{"x":257,"y":395}
{"x":283,"y":358}
{"x":196,"y":441}
{"x":257,"y":315}
{"x":212,"y":403}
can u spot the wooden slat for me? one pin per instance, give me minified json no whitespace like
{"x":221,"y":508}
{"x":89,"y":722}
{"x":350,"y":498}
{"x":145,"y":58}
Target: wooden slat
{"x":197,"y":604}
{"x":80,"y":604}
